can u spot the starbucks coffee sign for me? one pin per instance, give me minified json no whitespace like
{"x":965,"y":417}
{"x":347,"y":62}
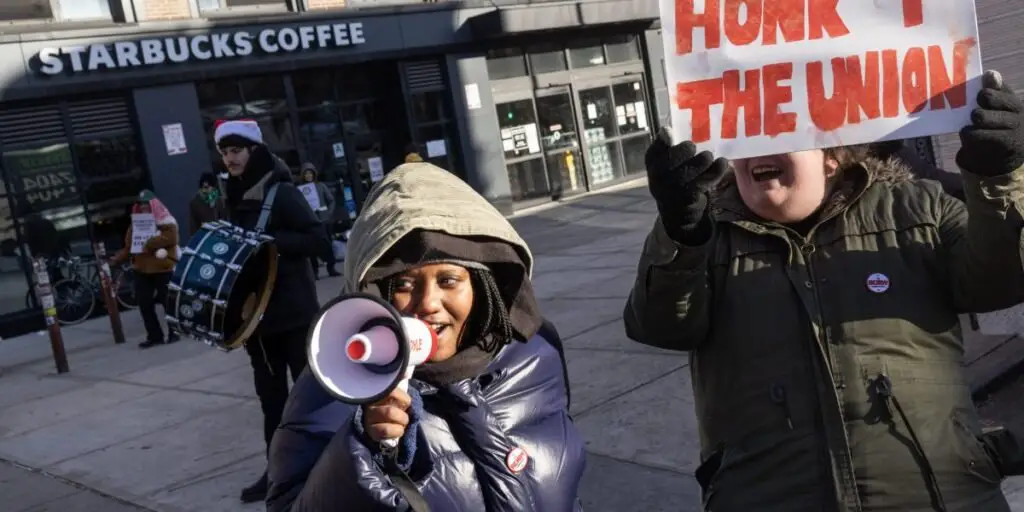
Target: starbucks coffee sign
{"x":202,"y":47}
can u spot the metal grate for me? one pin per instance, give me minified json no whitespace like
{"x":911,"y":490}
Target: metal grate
{"x":99,"y":117}
{"x":30,"y":125}
{"x":423,"y":76}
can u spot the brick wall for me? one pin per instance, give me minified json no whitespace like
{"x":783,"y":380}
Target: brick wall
{"x":324,"y":4}
{"x":165,"y":9}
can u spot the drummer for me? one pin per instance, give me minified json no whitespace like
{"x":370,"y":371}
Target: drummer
{"x":279,"y":343}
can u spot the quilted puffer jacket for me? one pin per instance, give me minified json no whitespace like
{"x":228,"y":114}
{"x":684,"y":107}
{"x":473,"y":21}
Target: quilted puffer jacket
{"x":500,"y":442}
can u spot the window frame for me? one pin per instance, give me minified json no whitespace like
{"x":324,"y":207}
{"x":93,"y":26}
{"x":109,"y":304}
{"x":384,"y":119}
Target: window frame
{"x":282,"y":6}
{"x":113,"y":6}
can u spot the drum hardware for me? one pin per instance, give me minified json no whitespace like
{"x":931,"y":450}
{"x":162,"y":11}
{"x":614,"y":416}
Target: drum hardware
{"x":223,"y":282}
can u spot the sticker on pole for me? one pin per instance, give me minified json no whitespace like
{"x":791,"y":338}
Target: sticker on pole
{"x":878,"y":283}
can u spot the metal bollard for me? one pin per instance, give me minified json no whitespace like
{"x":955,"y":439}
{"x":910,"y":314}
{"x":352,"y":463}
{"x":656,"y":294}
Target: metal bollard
{"x":108,"y":292}
{"x":44,"y":293}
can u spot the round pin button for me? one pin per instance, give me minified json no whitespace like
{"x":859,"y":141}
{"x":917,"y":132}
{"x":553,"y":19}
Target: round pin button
{"x":516,"y":460}
{"x":878,"y":283}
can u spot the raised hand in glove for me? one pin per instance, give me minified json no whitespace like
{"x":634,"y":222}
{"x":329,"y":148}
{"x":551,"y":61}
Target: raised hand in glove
{"x":680,"y":181}
{"x":993,"y":143}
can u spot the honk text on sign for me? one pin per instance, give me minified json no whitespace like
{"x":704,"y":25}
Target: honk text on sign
{"x":756,"y":77}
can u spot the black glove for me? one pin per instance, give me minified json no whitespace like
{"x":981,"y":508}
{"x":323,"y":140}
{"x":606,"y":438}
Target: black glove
{"x":680,"y":181}
{"x":993,"y":143}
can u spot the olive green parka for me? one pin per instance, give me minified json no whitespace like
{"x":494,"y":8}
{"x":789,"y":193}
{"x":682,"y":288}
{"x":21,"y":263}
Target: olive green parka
{"x":827,"y":369}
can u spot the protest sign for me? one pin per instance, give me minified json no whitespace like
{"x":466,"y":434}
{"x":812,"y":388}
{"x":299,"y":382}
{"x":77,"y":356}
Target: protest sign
{"x":143,"y":228}
{"x":312,"y":197}
{"x":757,"y":77}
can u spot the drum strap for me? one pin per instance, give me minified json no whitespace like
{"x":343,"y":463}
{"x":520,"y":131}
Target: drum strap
{"x":268,"y":204}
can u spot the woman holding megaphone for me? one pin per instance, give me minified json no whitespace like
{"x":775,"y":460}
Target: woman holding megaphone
{"x":484,"y":425}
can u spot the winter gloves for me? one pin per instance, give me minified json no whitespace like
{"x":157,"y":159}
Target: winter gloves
{"x":680,"y":179}
{"x":993,"y":144}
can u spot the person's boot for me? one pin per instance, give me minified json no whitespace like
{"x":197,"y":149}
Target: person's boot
{"x":150,"y":344}
{"x":256,"y":492}
{"x":172,"y":337}
{"x":333,"y":272}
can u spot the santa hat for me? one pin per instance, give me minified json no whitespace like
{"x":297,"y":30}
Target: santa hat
{"x":245,"y":128}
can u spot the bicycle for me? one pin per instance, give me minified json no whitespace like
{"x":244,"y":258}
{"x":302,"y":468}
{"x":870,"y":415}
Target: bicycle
{"x":76,"y":295}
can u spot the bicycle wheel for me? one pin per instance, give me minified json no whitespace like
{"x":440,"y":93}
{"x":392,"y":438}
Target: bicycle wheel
{"x":124,"y":284}
{"x":75,"y":300}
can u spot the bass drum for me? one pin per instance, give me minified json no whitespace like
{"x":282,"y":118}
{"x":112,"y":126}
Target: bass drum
{"x":222,"y":284}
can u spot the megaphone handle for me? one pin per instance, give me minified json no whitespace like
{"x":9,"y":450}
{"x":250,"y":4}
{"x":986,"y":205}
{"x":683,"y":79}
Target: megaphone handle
{"x":404,"y":386}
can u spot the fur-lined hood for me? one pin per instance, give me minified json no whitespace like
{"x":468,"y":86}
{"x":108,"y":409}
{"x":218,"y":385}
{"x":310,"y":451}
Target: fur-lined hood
{"x":853,"y":178}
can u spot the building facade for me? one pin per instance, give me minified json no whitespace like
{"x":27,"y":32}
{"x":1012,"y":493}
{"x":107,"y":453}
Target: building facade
{"x":528,"y":101}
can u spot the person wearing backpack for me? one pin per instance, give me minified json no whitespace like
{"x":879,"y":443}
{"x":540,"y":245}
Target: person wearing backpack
{"x":485,"y":423}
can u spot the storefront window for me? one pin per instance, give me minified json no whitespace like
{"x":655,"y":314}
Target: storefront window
{"x":633,"y":150}
{"x":506,"y":63}
{"x":624,"y":48}
{"x":547,"y":58}
{"x":13,"y":264}
{"x":528,"y":180}
{"x":363,"y":117}
{"x":219,"y":100}
{"x":557,"y":125}
{"x":598,"y":113}
{"x":435,"y":145}
{"x":558,"y":136}
{"x":279,"y":138}
{"x":586,"y":53}
{"x":264,"y":95}
{"x":518,"y":127}
{"x":311,"y":90}
{"x":428,"y":107}
{"x":630,"y":108}
{"x":604,"y":165}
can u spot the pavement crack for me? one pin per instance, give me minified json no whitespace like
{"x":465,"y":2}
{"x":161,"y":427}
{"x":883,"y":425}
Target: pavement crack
{"x":644,"y":465}
{"x":616,"y":396}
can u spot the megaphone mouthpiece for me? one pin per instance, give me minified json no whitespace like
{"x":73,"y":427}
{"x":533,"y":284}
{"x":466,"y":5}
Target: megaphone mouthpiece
{"x":377,"y":345}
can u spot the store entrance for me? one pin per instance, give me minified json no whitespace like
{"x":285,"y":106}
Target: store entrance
{"x":616,"y":128}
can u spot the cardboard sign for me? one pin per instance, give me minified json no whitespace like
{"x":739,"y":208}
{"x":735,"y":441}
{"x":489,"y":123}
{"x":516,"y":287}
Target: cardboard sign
{"x":143,"y":228}
{"x":309,"y":192}
{"x":757,"y":77}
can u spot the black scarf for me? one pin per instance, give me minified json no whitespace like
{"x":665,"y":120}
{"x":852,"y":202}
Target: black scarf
{"x":505,"y":309}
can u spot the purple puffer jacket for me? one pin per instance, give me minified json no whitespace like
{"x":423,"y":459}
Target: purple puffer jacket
{"x":320,"y":463}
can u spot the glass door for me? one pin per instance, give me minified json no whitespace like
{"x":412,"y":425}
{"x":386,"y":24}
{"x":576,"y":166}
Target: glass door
{"x":560,"y":140}
{"x":616,"y":128}
{"x":520,"y":140}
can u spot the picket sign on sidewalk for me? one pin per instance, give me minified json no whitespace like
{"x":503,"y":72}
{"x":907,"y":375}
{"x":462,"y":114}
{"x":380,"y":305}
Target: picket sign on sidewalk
{"x":757,"y":77}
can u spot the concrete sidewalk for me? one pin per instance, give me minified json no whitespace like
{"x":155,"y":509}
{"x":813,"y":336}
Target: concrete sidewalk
{"x":177,"y":428}
{"x":26,"y":490}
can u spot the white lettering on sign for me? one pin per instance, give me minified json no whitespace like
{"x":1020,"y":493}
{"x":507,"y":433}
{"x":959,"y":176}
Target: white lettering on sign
{"x":201,"y":47}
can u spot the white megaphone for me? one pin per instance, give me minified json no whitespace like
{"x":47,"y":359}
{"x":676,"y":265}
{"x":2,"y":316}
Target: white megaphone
{"x":361,"y":348}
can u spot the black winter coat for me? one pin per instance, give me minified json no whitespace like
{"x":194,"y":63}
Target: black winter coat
{"x":319,"y":463}
{"x":298,"y":235}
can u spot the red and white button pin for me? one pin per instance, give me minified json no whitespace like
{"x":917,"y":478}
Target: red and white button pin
{"x":878,"y":283}
{"x":516,"y":460}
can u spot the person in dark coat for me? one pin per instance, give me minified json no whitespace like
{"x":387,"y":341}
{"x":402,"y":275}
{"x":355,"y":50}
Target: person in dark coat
{"x":279,"y":343}
{"x":207,"y":205}
{"x":485,"y":424}
{"x":326,"y":215}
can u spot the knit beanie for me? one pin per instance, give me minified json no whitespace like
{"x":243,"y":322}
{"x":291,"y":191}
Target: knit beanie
{"x":246,"y":129}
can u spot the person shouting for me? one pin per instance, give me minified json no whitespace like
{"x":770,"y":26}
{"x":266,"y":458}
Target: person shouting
{"x":279,"y":343}
{"x":817,"y":293}
{"x":485,"y":424}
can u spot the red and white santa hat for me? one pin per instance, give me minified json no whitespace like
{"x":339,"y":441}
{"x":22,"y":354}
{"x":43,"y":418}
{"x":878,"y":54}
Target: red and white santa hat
{"x":247,"y":128}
